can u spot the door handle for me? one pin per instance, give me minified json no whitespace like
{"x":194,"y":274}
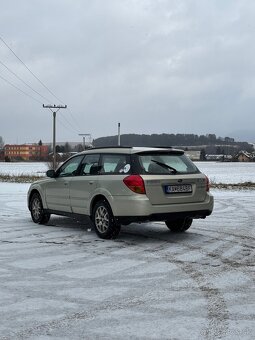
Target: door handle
{"x":91,"y":182}
{"x":65,"y":183}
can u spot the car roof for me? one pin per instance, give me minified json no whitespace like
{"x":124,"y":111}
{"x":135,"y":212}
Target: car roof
{"x":130,"y":150}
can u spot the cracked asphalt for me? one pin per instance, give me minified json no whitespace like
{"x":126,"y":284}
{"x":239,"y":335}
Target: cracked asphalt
{"x":60,"y":281}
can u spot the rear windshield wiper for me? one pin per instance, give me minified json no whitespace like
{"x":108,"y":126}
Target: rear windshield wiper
{"x":165,"y":166}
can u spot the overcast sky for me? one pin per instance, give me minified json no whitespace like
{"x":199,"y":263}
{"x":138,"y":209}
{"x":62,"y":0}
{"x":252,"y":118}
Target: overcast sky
{"x":155,"y":66}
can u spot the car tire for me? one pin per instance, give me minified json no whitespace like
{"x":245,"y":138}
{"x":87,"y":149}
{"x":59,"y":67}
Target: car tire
{"x":37,"y":212}
{"x":104,"y":221}
{"x":180,"y":225}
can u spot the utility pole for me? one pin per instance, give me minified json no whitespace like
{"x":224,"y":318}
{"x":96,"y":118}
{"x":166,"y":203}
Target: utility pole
{"x":54,"y":109}
{"x":118,"y":134}
{"x":83,"y":137}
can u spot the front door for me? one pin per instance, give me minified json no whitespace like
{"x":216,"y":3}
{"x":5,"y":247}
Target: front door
{"x":58,"y":189}
{"x":84,"y":184}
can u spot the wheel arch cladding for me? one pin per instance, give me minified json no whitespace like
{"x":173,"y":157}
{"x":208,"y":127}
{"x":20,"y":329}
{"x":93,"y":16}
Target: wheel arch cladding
{"x":96,"y":199}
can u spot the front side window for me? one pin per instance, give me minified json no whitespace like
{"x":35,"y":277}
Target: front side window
{"x":70,"y":167}
{"x":166,"y":163}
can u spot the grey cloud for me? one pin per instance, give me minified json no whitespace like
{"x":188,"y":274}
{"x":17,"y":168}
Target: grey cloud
{"x":155,"y":66}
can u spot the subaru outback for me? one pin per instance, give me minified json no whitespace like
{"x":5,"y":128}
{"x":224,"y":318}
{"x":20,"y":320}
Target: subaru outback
{"x":120,"y":185}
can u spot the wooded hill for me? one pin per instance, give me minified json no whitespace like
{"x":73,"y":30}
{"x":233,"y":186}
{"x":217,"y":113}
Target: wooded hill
{"x":177,"y":140}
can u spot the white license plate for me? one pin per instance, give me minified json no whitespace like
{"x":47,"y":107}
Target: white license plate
{"x":179,"y":188}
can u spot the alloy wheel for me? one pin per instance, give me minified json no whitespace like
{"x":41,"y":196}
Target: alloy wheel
{"x":102,"y":219}
{"x":36,"y":208}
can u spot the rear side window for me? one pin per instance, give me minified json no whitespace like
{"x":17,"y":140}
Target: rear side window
{"x":90,"y":164}
{"x":165,"y":163}
{"x":115,"y":164}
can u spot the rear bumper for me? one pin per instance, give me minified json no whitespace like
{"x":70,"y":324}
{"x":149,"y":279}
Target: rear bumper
{"x":138,"y":208}
{"x":164,"y":217}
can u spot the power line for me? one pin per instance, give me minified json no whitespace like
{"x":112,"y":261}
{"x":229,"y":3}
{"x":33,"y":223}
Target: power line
{"x":23,"y":81}
{"x":17,"y":88}
{"x":64,"y":125}
{"x":29,"y":70}
{"x":28,"y":95}
{"x":74,"y":119}
{"x":70,"y":124}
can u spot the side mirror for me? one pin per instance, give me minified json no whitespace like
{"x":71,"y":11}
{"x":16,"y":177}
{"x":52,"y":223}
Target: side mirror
{"x":51,"y":173}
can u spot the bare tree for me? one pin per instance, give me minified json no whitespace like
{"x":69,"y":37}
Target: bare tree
{"x":1,"y":142}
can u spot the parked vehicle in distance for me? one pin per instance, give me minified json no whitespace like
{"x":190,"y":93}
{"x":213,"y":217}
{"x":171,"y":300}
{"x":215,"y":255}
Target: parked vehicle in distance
{"x":119,"y":185}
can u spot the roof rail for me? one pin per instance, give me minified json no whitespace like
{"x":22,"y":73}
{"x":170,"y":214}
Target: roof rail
{"x":130,"y":147}
{"x":160,"y":147}
{"x":111,"y":147}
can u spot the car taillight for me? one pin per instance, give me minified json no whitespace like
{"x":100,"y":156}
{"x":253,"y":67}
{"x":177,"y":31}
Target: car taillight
{"x":207,"y":183}
{"x":135,"y":183}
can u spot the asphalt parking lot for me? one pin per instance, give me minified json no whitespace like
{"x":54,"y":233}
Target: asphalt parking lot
{"x":62,"y":281}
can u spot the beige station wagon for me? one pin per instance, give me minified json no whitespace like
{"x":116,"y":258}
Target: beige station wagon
{"x":120,"y":185}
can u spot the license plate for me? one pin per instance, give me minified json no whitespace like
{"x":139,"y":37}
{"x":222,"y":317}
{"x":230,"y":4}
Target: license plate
{"x":179,"y":188}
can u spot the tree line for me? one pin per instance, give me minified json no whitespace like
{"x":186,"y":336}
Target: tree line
{"x":209,"y":142}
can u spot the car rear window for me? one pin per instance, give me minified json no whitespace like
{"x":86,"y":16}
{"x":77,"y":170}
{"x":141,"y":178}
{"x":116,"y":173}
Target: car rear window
{"x":165,"y":163}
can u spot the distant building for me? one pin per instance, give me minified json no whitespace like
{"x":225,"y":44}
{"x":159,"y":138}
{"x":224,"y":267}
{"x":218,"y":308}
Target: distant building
{"x":26,"y":152}
{"x":193,"y":155}
{"x":244,"y":156}
{"x":221,"y":158}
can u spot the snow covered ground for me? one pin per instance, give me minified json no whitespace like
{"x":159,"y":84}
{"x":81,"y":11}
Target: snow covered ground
{"x":218,"y":172}
{"x":23,"y":168}
{"x":228,"y":172}
{"x":61,"y":282}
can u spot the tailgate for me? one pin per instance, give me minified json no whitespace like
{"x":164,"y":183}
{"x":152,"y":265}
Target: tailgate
{"x":174,"y":189}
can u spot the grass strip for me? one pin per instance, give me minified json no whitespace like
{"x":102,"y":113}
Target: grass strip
{"x":31,"y":178}
{"x":19,"y":178}
{"x":233,"y":186}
